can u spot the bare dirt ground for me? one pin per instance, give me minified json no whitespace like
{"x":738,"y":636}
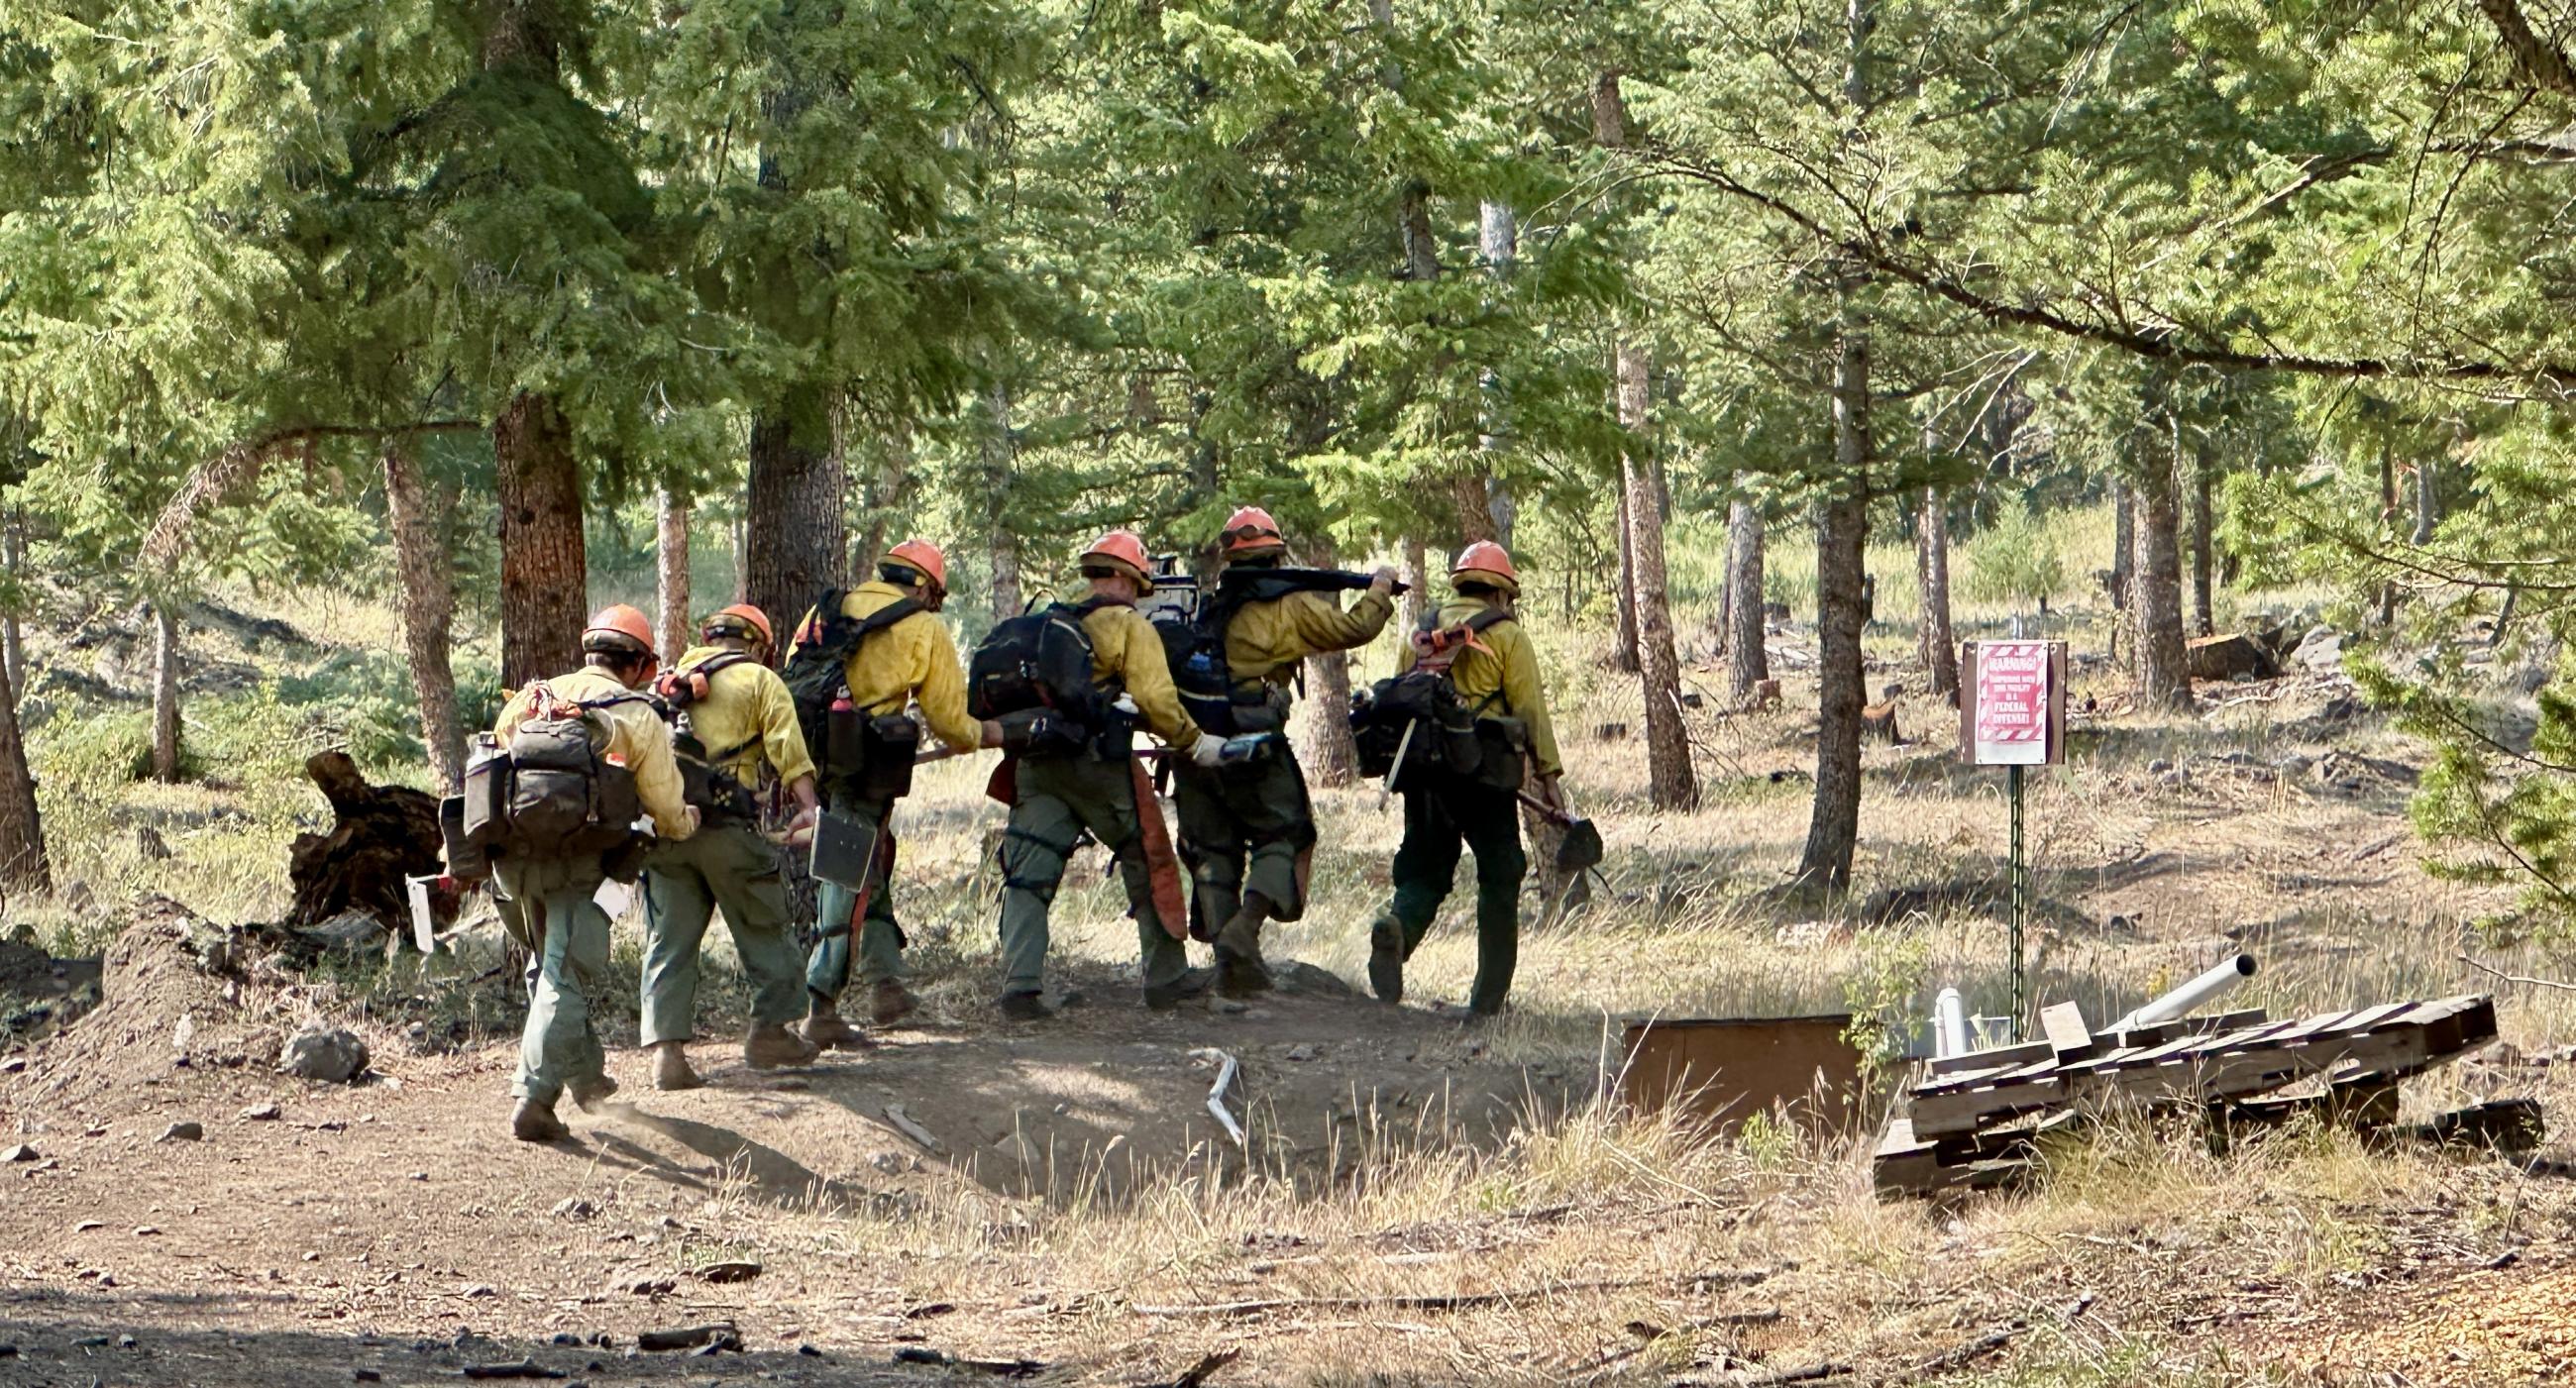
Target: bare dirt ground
{"x":1418,"y":1203}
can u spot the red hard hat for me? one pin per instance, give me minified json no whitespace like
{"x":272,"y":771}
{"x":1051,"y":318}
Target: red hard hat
{"x":1121,"y":549}
{"x":1487,"y":561}
{"x":1250,"y":529}
{"x":751,"y":616}
{"x":619,"y":620}
{"x":924,"y":556}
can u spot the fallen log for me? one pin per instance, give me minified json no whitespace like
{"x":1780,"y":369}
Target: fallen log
{"x":381,"y":836}
{"x":1456,"y":1301}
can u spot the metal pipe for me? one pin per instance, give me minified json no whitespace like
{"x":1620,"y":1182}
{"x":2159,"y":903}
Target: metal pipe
{"x":1949,"y":1025}
{"x":2190,"y":995}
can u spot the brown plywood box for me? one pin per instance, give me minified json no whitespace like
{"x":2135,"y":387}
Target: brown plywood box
{"x":1720,"y":1070}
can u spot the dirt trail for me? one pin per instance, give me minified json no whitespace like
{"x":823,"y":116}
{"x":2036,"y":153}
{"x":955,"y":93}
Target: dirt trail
{"x":368,"y":1226}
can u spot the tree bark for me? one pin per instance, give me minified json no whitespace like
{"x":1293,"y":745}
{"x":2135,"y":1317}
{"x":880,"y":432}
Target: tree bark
{"x":1417,"y":582}
{"x":13,"y":649}
{"x":793,"y":524}
{"x":1498,"y":236}
{"x":417,"y":512}
{"x":1933,"y":638}
{"x":165,"y":690}
{"x":2124,"y":544}
{"x":1002,"y":545}
{"x":885,"y":500}
{"x":1842,"y":541}
{"x":1747,"y":662}
{"x":23,"y":863}
{"x":2428,"y":500}
{"x":2164,"y":680}
{"x":1331,"y":755}
{"x":544,"y":568}
{"x":2203,"y":614}
{"x":1627,"y":657}
{"x":671,"y":575}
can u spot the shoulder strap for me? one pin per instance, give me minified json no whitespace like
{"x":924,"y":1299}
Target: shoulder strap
{"x":888,"y":615}
{"x":721,"y":660}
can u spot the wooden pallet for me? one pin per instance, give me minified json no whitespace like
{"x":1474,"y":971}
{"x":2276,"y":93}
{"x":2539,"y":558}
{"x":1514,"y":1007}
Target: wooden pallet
{"x":1990,"y":1108}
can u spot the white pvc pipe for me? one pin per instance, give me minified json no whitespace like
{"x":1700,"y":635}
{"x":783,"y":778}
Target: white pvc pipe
{"x":1949,"y":1025}
{"x":2190,"y":995}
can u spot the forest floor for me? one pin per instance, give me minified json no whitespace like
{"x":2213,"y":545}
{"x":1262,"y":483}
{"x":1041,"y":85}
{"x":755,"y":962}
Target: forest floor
{"x":1418,"y":1201}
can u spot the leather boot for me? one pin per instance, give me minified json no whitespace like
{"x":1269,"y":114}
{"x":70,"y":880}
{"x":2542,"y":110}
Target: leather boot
{"x":1024,"y":1007}
{"x":1239,"y":970}
{"x":1193,"y":983}
{"x":535,"y":1122}
{"x":824,"y":1027}
{"x":671,"y":1067}
{"x":772,"y":1046}
{"x":1386,"y":959}
{"x":890,"y":1002}
{"x":590,"y":1091}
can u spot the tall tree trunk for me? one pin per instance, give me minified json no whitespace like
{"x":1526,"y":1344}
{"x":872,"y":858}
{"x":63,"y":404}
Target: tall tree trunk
{"x":23,"y":863}
{"x":165,"y":690}
{"x":2428,"y":500}
{"x":2164,"y":680}
{"x":671,"y":575}
{"x":1842,"y":542}
{"x":2124,"y":544}
{"x":1499,"y":238}
{"x":1331,"y":755}
{"x":1747,"y":662}
{"x":417,"y":512}
{"x":886,"y":497}
{"x":1933,"y":639}
{"x":544,"y":568}
{"x":1627,"y":656}
{"x":2203,"y":615}
{"x":1001,"y":543}
{"x":1417,"y":582}
{"x":793,"y":523}
{"x":13,"y":649}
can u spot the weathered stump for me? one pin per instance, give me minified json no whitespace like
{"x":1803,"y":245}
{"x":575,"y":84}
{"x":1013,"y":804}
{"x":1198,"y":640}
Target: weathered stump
{"x":383,"y":835}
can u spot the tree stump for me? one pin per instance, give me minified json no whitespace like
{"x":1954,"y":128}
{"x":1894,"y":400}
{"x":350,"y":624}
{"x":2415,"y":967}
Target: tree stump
{"x":382,"y":835}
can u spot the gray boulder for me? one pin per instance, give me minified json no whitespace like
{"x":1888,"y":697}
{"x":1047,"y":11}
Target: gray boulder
{"x":334,"y":1056}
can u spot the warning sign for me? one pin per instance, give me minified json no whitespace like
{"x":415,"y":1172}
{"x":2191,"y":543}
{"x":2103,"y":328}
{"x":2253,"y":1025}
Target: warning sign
{"x":2016,"y":706}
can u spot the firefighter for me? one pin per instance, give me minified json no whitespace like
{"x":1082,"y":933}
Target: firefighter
{"x":1496,"y":674}
{"x":1247,"y":828}
{"x":1059,"y":795}
{"x":910,"y":661}
{"x":738,"y":718}
{"x":547,"y":899}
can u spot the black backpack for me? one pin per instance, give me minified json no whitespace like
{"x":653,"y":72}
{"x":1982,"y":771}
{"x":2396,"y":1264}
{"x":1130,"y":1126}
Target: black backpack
{"x":552,"y":791}
{"x":817,"y":672}
{"x":1195,"y":648}
{"x":1032,"y":674}
{"x":1448,"y":732}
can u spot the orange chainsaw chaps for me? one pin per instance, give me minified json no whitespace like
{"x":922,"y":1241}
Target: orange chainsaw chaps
{"x":1004,"y":784}
{"x":1162,"y":865}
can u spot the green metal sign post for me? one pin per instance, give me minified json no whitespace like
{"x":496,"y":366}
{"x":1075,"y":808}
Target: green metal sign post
{"x":2012,"y":714}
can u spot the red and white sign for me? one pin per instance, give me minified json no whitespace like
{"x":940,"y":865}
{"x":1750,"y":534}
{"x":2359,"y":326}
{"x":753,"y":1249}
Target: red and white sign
{"x":2013,"y":700}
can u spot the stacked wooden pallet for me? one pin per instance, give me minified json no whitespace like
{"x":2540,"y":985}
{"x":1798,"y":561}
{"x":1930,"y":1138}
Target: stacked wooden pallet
{"x":1975,"y":1120}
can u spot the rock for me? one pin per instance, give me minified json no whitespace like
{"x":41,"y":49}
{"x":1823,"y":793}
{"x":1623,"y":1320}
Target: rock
{"x":263,"y":1113}
{"x":149,"y":845}
{"x":183,"y":1033}
{"x":723,"y":1273}
{"x":1301,"y":1051}
{"x":1298,"y":978}
{"x":365,"y":1376}
{"x":2231,"y":656}
{"x":336,"y":1056}
{"x":2320,"y":650}
{"x":1228,"y":1007}
{"x":574,"y":1207}
{"x":2294,"y":764}
{"x":125,"y":1342}
{"x":21,"y":1152}
{"x":184,"y":1132}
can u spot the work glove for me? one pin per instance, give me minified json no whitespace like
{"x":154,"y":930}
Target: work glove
{"x":1124,"y":705}
{"x":1207,"y":751}
{"x":1383,"y":581}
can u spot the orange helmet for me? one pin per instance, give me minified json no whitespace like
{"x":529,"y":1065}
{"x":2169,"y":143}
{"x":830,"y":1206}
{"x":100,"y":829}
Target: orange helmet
{"x":1488,"y":564}
{"x":1251,"y":529}
{"x":618,"y":628}
{"x":736,"y":617}
{"x":1122,"y":551}
{"x":924,"y":557}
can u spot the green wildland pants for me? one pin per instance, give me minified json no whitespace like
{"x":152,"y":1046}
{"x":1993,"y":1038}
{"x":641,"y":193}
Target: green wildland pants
{"x":880,"y":951}
{"x":1059,"y":798}
{"x":727,"y":866}
{"x":546,"y":905}
{"x":1242,"y":829}
{"x":1445,"y":812}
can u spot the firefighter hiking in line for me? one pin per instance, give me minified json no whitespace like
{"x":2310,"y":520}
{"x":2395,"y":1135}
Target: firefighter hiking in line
{"x":1247,"y":827}
{"x":1070,"y":769}
{"x":733,"y":716}
{"x":1490,"y":663}
{"x":892,"y":652}
{"x":617,"y":734}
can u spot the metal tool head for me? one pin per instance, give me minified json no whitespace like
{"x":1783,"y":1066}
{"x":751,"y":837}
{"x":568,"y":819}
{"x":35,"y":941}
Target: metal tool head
{"x":844,"y":846}
{"x":1580,"y":848}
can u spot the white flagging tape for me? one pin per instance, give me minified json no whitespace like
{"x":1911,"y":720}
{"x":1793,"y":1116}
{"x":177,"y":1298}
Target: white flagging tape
{"x":1225,"y":1072}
